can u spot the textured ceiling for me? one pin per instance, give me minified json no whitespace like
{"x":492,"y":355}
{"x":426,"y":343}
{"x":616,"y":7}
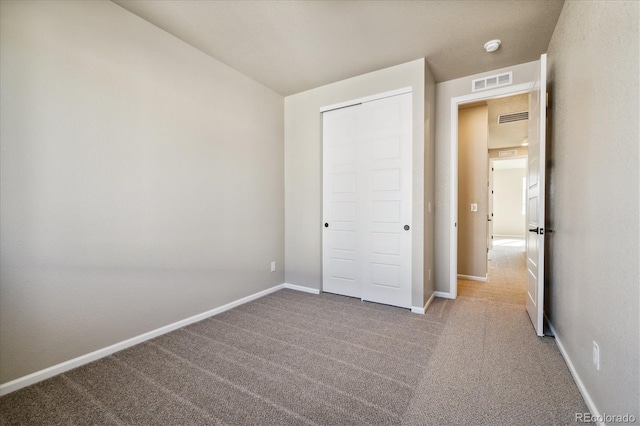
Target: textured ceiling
{"x":292,"y":46}
{"x":508,"y":134}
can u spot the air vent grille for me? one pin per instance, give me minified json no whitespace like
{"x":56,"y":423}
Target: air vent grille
{"x":510,"y":153}
{"x":492,"y":81}
{"x":510,"y":118}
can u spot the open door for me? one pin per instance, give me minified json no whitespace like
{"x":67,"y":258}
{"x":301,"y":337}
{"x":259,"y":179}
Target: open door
{"x":536,"y":198}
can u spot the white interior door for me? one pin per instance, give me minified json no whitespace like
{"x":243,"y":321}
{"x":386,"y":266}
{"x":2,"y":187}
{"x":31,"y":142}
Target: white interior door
{"x":341,"y":140}
{"x":367,"y":173}
{"x":387,"y":153}
{"x":536,"y":198}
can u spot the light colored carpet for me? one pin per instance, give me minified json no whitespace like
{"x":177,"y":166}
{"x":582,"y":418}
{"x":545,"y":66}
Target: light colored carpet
{"x":287,"y":358}
{"x":506,"y":278}
{"x":292,"y":358}
{"x":489,"y":367}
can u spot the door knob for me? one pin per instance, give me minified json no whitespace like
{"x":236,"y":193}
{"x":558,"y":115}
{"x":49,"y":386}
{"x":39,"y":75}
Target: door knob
{"x":406,"y":227}
{"x":535,"y":231}
{"x":326,"y":225}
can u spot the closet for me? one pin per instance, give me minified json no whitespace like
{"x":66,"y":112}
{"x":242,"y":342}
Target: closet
{"x":367,"y":208}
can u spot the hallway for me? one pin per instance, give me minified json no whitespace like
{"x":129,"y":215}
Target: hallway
{"x":506,"y":278}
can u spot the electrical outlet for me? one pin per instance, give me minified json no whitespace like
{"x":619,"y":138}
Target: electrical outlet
{"x":273,"y":266}
{"x":596,"y":355}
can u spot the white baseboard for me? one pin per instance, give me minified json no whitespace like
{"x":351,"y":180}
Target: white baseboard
{"x":418,"y":310}
{"x":41,"y":375}
{"x":574,"y":373}
{"x":472,"y":278}
{"x":444,"y":294}
{"x":515,"y":237}
{"x":301,"y":288}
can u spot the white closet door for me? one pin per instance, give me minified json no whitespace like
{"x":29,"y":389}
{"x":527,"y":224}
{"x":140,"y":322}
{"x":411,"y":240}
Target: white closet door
{"x":367,"y":200}
{"x":386,"y":217}
{"x":340,"y":260}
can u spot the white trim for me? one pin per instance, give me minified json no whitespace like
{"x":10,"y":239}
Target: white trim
{"x":453,"y":169}
{"x":513,"y":237}
{"x":444,"y":295}
{"x":54,"y":370}
{"x":472,"y":278}
{"x":370,"y":98}
{"x":301,"y":288}
{"x":418,"y":310}
{"x":574,"y":373}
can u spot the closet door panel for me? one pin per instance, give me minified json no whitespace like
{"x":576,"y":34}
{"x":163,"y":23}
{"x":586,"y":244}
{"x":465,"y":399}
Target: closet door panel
{"x":386,"y":245}
{"x":340,"y":239}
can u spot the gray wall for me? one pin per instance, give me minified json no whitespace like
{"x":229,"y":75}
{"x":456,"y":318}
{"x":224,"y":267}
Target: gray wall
{"x":473,"y":127}
{"x":594,"y":197}
{"x":303,"y":168}
{"x":142,"y":181}
{"x":445,"y":91}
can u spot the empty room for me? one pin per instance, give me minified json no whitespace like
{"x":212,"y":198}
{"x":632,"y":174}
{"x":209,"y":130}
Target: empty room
{"x":279,"y":212}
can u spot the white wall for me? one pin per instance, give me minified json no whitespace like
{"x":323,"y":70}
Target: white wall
{"x":594,"y":196}
{"x":508,"y":220}
{"x":303,"y":168}
{"x":445,"y":91}
{"x":141,"y":181}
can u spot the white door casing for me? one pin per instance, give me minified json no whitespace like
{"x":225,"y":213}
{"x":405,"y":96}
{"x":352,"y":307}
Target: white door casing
{"x":536,"y":198}
{"x":367,"y":176}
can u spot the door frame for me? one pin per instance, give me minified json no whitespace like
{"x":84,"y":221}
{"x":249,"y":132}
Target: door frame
{"x":491,"y":178}
{"x":453,"y":169}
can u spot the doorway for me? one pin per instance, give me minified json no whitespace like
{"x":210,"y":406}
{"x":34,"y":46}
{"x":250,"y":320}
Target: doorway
{"x":453,"y":205}
{"x":491,"y":258}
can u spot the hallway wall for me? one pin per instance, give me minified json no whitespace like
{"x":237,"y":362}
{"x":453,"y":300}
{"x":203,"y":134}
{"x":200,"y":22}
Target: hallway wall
{"x":472,"y":189}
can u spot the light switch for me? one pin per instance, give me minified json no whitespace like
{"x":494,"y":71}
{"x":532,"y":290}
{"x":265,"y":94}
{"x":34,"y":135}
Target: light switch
{"x":474,"y":207}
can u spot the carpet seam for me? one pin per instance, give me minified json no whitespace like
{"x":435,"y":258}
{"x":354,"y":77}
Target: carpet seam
{"x":364,"y":307}
{"x":234,"y":385}
{"x":358,"y":329}
{"x":313,"y":333}
{"x":356,"y":316}
{"x":307,"y":377}
{"x":319,"y":354}
{"x":164,"y":389}
{"x":77,"y":387}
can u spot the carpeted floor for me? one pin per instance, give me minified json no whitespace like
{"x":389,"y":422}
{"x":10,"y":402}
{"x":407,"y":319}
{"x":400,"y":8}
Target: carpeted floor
{"x":489,"y":367}
{"x":506,"y":278}
{"x":287,"y":358}
{"x":296,"y":358}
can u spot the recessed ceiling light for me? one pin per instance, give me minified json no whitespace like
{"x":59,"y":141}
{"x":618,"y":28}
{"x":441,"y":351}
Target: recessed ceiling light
{"x":492,"y":45}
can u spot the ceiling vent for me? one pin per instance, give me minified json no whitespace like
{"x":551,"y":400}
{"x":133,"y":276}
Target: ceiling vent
{"x":510,"y":118}
{"x":492,"y":81}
